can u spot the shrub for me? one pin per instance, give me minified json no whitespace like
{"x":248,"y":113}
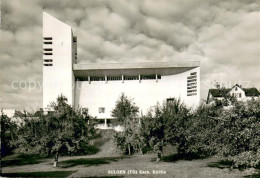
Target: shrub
{"x":8,"y":135}
{"x":246,"y":159}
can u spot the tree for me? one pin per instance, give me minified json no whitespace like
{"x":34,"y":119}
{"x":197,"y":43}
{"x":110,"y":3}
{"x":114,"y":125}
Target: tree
{"x":239,"y":133}
{"x":125,"y":109}
{"x":125,"y":112}
{"x":63,"y":131}
{"x":8,"y":134}
{"x":166,"y":125}
{"x":128,"y":139}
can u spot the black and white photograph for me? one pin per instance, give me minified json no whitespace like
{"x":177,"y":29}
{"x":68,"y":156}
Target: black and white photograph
{"x":130,"y":88}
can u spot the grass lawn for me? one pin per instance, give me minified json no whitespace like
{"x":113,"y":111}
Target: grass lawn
{"x":222,"y":164}
{"x":254,"y":175}
{"x":39,"y":174}
{"x":176,"y":157}
{"x":87,"y":161}
{"x":19,"y":160}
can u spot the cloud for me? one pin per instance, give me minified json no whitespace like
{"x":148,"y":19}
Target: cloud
{"x":222,"y":35}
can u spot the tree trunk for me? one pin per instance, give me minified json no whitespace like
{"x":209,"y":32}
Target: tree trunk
{"x":129,"y":149}
{"x":141,"y":151}
{"x":159,"y":154}
{"x":56,"y":160}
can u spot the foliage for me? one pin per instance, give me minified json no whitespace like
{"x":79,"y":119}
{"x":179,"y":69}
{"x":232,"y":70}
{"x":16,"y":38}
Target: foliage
{"x":8,"y":134}
{"x":125,"y":109}
{"x":153,"y":131}
{"x":63,"y":131}
{"x":239,"y":133}
{"x":125,"y":112}
{"x":232,"y":132}
{"x":165,"y":125}
{"x":227,"y":98}
{"x":246,"y":159}
{"x":129,"y":139}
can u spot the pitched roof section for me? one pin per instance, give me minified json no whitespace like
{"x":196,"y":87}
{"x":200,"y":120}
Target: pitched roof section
{"x":251,"y":92}
{"x":218,"y":92}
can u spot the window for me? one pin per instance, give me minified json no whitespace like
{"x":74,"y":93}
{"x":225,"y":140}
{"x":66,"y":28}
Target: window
{"x":47,"y":38}
{"x":47,"y":64}
{"x":169,"y":101}
{"x":239,"y":95}
{"x":97,"y":78}
{"x":47,"y":42}
{"x":47,"y":60}
{"x":131,"y":77}
{"x":101,"y":110}
{"x":47,"y":53}
{"x":74,"y":39}
{"x":192,"y":77}
{"x":235,"y":88}
{"x":47,"y":49}
{"x":112,"y":78}
{"x":150,"y":77}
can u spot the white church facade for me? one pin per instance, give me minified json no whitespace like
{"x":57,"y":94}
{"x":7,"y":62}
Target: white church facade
{"x":96,"y":87}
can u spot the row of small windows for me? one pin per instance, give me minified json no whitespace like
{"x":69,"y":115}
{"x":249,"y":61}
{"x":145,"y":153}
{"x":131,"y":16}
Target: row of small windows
{"x":192,"y":84}
{"x":116,"y":78}
{"x":47,"y":51}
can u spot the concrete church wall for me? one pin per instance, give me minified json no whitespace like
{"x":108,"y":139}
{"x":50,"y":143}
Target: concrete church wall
{"x":58,"y":77}
{"x":145,"y":94}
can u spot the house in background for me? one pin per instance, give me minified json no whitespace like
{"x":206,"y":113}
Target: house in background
{"x":237,"y":91}
{"x":18,"y":116}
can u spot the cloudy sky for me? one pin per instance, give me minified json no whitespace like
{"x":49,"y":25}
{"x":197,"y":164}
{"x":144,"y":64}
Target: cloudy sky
{"x":223,"y":35}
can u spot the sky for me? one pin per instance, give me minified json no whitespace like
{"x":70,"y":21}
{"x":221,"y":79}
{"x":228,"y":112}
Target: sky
{"x":223,"y":35}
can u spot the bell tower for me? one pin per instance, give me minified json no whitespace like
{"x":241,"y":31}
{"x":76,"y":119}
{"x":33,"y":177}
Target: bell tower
{"x":59,"y":54}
